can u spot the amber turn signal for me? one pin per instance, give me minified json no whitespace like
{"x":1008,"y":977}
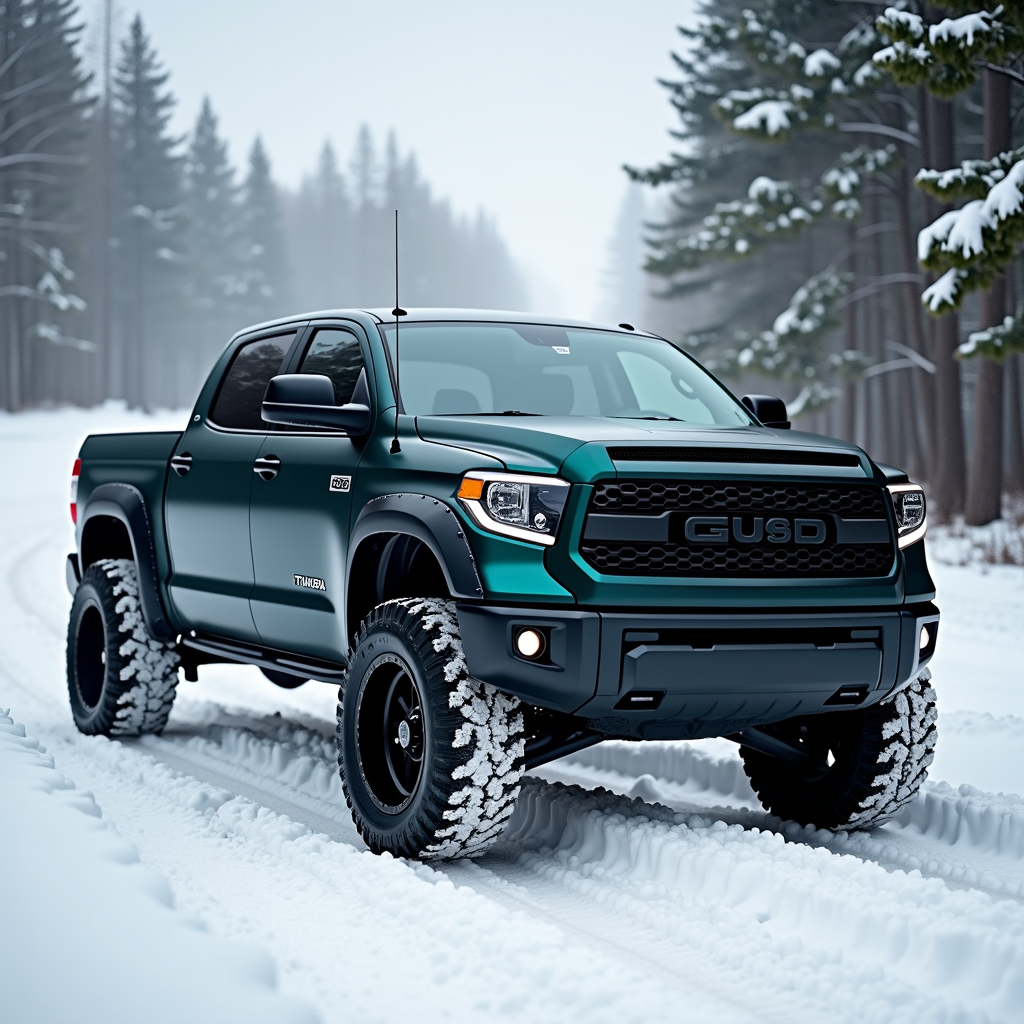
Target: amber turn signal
{"x":471,"y":489}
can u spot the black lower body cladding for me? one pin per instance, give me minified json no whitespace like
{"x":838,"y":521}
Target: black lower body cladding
{"x":652,"y":676}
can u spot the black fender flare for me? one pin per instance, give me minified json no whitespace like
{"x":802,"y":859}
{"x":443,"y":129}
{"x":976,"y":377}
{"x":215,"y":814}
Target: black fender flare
{"x":126,"y":503}
{"x":430,"y":520}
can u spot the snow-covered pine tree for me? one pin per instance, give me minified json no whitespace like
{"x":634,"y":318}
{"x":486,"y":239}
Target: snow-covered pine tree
{"x":798,"y":75}
{"x":971,"y":246}
{"x":214,"y":244}
{"x":43,"y":132}
{"x":266,"y":287}
{"x":150,"y":226}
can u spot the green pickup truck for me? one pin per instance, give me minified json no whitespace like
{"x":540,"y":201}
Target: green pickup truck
{"x":505,"y":538}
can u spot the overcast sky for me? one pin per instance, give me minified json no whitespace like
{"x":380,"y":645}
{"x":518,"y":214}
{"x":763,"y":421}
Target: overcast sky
{"x":527,"y":109}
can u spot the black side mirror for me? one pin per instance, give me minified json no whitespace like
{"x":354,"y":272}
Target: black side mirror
{"x":307,"y":400}
{"x":770,"y":411}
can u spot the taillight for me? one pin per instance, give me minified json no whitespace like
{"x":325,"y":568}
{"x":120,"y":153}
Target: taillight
{"x":75,"y":473}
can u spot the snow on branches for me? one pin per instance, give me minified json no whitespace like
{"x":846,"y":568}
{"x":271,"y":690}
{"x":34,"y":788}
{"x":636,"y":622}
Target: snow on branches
{"x":765,"y":111}
{"x":773,"y":209}
{"x":995,"y":342}
{"x":793,"y":349}
{"x":946,"y":54}
{"x":974,"y":243}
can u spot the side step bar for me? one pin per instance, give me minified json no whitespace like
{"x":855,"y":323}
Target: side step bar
{"x":212,"y":649}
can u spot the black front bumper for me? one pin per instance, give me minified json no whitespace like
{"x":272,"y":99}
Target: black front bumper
{"x":652,"y":676}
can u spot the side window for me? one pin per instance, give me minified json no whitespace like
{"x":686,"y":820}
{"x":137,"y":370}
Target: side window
{"x":335,"y":353}
{"x":241,"y":394}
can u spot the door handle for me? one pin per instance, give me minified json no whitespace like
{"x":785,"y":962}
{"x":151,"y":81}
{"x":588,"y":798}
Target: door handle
{"x":267,"y":467}
{"x":182,"y":463}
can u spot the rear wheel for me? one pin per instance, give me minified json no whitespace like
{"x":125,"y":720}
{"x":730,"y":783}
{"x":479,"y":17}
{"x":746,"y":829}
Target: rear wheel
{"x":430,"y":758}
{"x":121,"y":682}
{"x":863,"y":765}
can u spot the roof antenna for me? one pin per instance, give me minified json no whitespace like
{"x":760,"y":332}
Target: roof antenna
{"x":396,"y":313}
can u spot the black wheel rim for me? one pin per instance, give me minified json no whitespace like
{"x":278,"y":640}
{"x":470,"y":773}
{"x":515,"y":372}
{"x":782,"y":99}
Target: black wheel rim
{"x":90,"y":657}
{"x":390,"y":734}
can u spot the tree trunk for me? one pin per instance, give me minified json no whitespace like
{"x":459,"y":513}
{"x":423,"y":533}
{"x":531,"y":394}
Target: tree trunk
{"x":922,"y":420}
{"x":949,"y":466}
{"x":1015,"y":465}
{"x":985,"y":482}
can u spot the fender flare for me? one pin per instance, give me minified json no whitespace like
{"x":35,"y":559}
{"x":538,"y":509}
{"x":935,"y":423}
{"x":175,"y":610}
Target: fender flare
{"x":430,"y":520}
{"x":126,"y":503}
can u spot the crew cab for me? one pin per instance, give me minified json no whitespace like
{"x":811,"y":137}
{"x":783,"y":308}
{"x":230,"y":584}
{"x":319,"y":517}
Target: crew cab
{"x":506,"y":537}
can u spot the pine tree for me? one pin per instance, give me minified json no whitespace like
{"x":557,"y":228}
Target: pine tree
{"x":215,"y":271}
{"x":975,"y":243}
{"x":150,"y":227}
{"x":266,"y":288}
{"x":780,"y":87}
{"x":43,"y":132}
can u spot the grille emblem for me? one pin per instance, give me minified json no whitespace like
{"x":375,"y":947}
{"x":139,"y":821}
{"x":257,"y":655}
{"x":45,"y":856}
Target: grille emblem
{"x":778,"y":530}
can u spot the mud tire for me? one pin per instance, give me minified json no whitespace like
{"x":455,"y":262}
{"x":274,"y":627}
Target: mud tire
{"x":121,"y":682}
{"x":469,"y":737}
{"x":881,"y":755}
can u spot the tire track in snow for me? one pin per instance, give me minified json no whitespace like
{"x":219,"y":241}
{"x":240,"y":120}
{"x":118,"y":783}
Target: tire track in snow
{"x":968,"y":838}
{"x":742,"y":901}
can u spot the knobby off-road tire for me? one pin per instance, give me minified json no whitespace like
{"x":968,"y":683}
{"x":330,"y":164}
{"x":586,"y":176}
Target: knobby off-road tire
{"x":121,"y":681}
{"x":430,"y":758}
{"x":881,"y":756}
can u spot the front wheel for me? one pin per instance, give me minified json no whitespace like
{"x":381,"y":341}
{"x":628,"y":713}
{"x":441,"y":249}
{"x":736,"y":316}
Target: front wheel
{"x":430,"y":758}
{"x":863,"y":765}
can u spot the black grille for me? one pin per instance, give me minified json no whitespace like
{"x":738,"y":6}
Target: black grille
{"x":649,"y":497}
{"x":669,"y":558}
{"x":677,"y":453}
{"x":628,"y":559}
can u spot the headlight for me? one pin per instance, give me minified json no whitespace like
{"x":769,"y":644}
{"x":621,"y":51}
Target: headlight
{"x":525,"y":507}
{"x":911,"y":515}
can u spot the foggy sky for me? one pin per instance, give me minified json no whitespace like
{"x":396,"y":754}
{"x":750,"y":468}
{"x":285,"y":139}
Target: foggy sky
{"x":527,"y":109}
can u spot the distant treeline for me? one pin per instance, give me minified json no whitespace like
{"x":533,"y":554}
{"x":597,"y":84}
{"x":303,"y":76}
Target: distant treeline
{"x":128,"y":256}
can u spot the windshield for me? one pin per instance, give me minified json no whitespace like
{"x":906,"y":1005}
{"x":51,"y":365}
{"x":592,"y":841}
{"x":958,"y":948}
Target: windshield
{"x":467,"y":369}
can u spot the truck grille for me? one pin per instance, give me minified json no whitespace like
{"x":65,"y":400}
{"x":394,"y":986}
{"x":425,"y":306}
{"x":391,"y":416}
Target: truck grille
{"x":643,"y":528}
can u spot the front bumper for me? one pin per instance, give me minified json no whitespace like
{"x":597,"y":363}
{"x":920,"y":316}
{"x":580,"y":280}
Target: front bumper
{"x":683,"y":676}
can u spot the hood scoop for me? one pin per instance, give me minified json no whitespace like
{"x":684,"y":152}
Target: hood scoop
{"x":679,"y":453}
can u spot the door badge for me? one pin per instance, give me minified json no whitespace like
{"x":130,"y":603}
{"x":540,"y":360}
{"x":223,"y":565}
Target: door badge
{"x":340,"y":484}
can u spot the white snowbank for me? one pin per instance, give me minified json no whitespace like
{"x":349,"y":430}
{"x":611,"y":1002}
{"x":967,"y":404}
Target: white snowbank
{"x":89,"y":934}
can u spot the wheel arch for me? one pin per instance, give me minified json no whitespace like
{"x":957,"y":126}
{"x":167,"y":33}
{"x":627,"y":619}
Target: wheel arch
{"x":115,"y":523}
{"x":385,"y":531}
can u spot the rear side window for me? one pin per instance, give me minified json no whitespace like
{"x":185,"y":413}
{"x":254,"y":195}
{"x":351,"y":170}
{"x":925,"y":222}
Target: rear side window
{"x":336,"y":354}
{"x":241,"y":394}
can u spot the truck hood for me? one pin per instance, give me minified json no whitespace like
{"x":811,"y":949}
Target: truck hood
{"x":543,"y":443}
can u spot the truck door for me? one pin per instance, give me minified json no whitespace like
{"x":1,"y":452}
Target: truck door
{"x":299,"y":517}
{"x":207,"y":505}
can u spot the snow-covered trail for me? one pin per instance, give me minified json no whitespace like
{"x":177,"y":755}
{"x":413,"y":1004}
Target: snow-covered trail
{"x":666,"y":895}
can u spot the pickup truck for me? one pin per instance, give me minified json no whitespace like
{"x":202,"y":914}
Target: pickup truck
{"x":505,"y":538}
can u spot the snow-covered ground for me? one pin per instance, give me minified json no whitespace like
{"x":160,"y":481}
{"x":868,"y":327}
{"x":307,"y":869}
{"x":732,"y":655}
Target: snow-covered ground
{"x":660,"y":891}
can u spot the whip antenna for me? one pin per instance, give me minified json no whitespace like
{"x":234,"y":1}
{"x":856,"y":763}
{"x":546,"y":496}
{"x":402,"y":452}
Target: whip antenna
{"x":396,"y":313}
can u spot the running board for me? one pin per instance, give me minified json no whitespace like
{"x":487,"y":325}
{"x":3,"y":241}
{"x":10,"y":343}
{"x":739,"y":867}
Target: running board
{"x":265,"y":657}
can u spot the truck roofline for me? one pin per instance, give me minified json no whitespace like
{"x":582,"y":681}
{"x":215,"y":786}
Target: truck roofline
{"x":427,"y":314}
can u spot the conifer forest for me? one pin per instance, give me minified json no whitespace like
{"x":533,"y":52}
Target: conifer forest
{"x":130,"y":255}
{"x":837,"y":219}
{"x":845,"y":215}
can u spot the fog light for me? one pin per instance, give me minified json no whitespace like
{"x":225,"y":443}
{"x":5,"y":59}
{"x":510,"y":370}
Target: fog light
{"x":530,"y":643}
{"x":925,"y":638}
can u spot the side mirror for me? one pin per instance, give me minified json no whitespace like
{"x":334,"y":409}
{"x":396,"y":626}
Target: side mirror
{"x":770,"y":411}
{"x":307,"y":400}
